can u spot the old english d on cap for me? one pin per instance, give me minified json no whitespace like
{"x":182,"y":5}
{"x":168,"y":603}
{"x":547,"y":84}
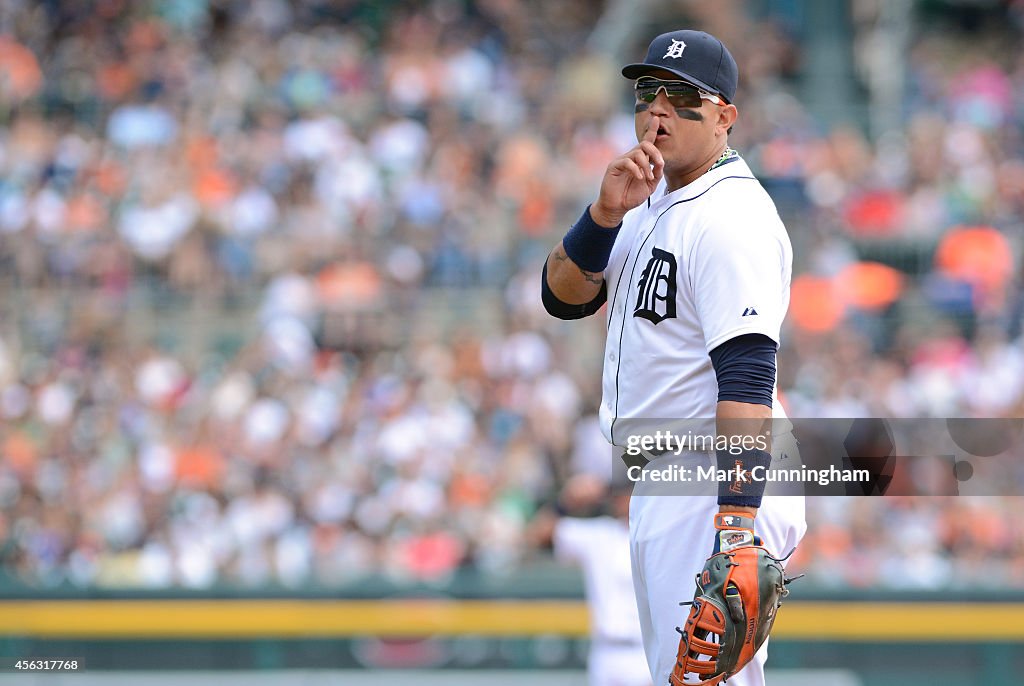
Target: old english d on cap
{"x":693,"y":56}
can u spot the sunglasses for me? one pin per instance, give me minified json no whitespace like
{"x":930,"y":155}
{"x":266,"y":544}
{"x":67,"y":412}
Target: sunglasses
{"x":679,"y":93}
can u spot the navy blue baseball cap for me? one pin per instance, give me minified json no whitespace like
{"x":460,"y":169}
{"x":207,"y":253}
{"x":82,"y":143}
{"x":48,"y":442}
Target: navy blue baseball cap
{"x":693,"y":56}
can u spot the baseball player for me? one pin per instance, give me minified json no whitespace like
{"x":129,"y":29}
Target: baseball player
{"x":694,"y":263}
{"x":600,"y":546}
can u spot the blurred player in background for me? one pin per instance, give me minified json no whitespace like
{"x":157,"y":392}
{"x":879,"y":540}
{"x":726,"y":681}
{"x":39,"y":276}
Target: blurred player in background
{"x":694,"y":263}
{"x":600,"y":546}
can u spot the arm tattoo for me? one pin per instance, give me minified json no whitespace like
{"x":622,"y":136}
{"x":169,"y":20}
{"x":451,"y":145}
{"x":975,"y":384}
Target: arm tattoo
{"x":596,"y":278}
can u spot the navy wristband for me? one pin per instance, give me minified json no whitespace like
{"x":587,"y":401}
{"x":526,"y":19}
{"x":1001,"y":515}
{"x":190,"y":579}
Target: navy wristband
{"x":589,"y":244}
{"x":748,"y":492}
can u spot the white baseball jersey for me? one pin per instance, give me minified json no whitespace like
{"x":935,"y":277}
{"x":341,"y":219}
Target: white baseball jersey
{"x":690,"y":270}
{"x":601,"y":547}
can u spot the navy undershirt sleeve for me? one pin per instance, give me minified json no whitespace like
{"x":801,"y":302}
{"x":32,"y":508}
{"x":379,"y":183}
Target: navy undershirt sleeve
{"x":745,"y":368}
{"x":563,"y":310}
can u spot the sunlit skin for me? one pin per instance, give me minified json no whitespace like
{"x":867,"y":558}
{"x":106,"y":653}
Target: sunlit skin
{"x":689,"y":139}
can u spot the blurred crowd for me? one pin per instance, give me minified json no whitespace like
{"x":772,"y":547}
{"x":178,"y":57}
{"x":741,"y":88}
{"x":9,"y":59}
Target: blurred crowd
{"x":271,"y":276}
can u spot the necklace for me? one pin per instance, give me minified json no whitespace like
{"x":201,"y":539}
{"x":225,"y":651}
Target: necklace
{"x":727,"y":155}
